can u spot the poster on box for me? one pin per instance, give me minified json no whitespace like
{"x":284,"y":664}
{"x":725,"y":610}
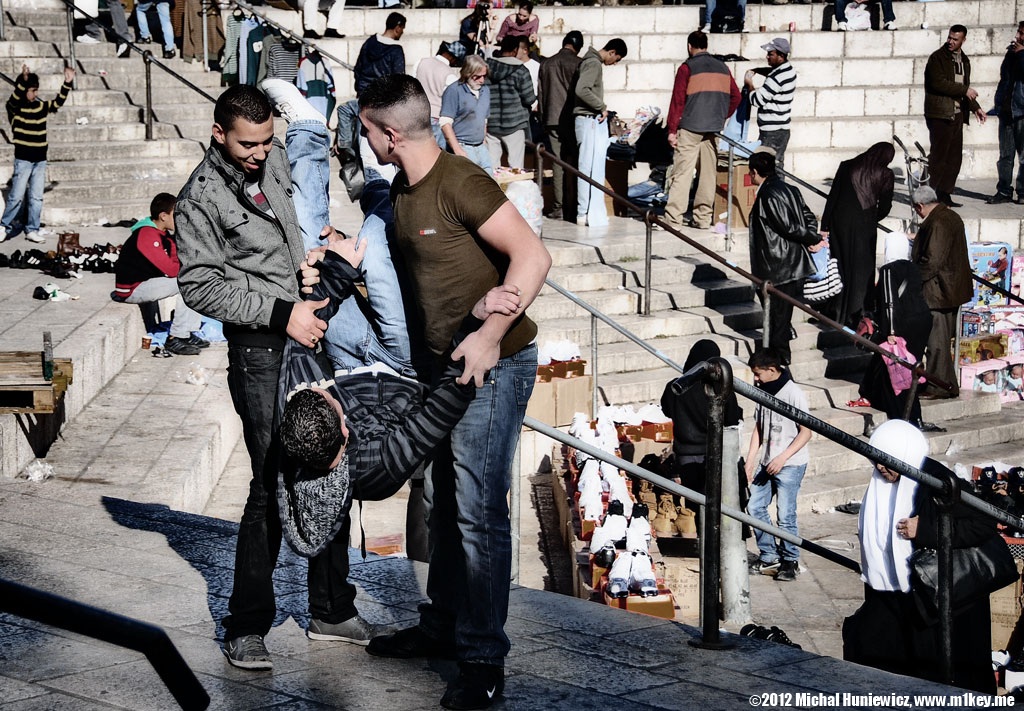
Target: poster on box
{"x":1013,"y":379}
{"x":991,"y":261}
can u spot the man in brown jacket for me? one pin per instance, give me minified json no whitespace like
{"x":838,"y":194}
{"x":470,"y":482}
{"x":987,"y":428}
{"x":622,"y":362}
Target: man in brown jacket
{"x":949,"y":100}
{"x":940,"y":252}
{"x":555,"y":77}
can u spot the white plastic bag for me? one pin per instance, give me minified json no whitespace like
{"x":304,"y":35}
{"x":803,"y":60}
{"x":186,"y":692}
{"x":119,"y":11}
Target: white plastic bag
{"x":525,"y":195}
{"x":857,"y":17}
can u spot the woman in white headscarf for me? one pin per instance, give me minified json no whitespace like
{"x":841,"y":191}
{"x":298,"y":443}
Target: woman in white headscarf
{"x":897,"y":515}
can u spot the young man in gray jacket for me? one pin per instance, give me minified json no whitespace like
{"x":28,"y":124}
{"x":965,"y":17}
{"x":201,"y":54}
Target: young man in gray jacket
{"x":242,"y":260}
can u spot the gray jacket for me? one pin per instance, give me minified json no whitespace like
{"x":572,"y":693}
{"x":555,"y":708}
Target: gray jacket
{"x":238,"y":264}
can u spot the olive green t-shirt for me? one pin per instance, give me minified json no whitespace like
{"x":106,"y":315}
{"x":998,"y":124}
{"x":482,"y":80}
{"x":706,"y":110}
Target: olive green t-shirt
{"x":436,"y":223}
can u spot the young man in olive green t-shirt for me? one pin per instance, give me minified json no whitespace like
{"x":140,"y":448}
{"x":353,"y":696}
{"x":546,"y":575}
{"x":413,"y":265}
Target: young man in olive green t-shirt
{"x":460,"y":237}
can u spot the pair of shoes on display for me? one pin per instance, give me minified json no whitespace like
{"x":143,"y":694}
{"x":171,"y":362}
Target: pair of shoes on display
{"x":788,"y":571}
{"x":632,"y":572}
{"x":478,"y":686}
{"x":355,"y":630}
{"x":770,"y":634}
{"x":248,"y":652}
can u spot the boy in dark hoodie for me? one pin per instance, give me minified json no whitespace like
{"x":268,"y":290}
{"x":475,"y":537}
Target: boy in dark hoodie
{"x":381,"y":54}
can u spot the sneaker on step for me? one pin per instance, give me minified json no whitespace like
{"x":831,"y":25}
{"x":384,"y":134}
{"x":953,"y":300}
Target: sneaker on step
{"x":478,"y":686}
{"x":842,"y":27}
{"x":788,"y":570}
{"x":759,"y":567}
{"x":248,"y":652}
{"x":180,"y":346}
{"x":891,"y":25}
{"x":333,"y":34}
{"x":170,"y":53}
{"x":87,"y":39}
{"x":290,"y":102}
{"x":123,"y":50}
{"x":410,"y":643}
{"x":194,"y":340}
{"x":34,"y":236}
{"x":355,"y":630}
{"x":706,"y":28}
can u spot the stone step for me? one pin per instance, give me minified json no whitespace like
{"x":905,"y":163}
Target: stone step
{"x":113,"y":172}
{"x":104,"y":211}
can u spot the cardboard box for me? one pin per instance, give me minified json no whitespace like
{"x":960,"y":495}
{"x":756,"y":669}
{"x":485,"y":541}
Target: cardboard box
{"x":1006,"y":611}
{"x":1013,"y":379}
{"x":542,"y":403}
{"x":744,"y":193}
{"x":986,"y":376}
{"x":980,"y":348}
{"x":682,"y":576}
{"x":992,"y":262}
{"x":572,"y":395}
{"x":658,"y":606}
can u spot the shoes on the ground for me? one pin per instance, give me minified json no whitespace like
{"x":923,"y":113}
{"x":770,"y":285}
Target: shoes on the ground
{"x":332,"y":33}
{"x":170,"y":53}
{"x":355,"y":630}
{"x":842,"y":27}
{"x":87,"y":39}
{"x":180,"y":346}
{"x":34,"y":236}
{"x":194,"y":340}
{"x":3,"y":233}
{"x":581,"y":221}
{"x":144,"y":40}
{"x":947,"y":200}
{"x":290,"y":102}
{"x":891,"y":26}
{"x":1019,"y":200}
{"x":930,"y":427}
{"x":555,"y":214}
{"x":998,"y":199}
{"x":478,"y":686}
{"x":788,"y":571}
{"x":760,"y":567}
{"x":698,"y":226}
{"x":248,"y":652}
{"x":706,"y":28}
{"x":410,"y":643}
{"x":123,"y":50}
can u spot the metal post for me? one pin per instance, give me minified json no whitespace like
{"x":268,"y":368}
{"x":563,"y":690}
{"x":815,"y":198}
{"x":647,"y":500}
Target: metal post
{"x":648,"y":249}
{"x":945,"y":500}
{"x":593,"y":362}
{"x":147,"y":60}
{"x":718,"y":385}
{"x":538,"y":162}
{"x":206,"y":37}
{"x":3,"y":26}
{"x":735,"y":579}
{"x":515,"y":497}
{"x":766,"y":308}
{"x":71,"y":43}
{"x":728,"y":200}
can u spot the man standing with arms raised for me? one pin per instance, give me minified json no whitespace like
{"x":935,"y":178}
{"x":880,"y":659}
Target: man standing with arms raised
{"x":460,"y":237}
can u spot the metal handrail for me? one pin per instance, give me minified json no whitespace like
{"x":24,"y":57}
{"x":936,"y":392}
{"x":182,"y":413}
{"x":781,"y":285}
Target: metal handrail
{"x":263,"y":17}
{"x":651,"y":219}
{"x":998,"y":289}
{"x":57,"y":611}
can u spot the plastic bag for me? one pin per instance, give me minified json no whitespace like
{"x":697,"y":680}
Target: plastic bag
{"x":525,"y":195}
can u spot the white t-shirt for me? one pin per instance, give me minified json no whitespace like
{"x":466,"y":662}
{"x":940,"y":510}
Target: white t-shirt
{"x":778,"y":432}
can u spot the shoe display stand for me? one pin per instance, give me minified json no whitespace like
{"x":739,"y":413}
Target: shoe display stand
{"x":676,"y":595}
{"x":33,"y":381}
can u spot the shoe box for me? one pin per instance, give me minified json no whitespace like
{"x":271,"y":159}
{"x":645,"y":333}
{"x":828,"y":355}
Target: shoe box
{"x":1006,"y":610}
{"x":660,"y":605}
{"x":682,"y":576}
{"x":562,"y":389}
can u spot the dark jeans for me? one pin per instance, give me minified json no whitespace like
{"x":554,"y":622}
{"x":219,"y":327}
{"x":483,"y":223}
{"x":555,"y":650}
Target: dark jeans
{"x":780,"y":318}
{"x":947,"y":151}
{"x":252,"y":381}
{"x":938,"y":359}
{"x":777,"y":140}
{"x":1011,"y":145}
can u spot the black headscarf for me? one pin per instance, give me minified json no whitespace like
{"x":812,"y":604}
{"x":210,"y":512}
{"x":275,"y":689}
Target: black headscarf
{"x":870,"y":173}
{"x":689,"y":411}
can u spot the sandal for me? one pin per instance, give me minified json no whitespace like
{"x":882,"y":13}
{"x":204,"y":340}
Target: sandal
{"x":859,"y":402}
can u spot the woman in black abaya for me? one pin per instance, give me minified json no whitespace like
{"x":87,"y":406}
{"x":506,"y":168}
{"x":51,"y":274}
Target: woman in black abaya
{"x":861,"y":195}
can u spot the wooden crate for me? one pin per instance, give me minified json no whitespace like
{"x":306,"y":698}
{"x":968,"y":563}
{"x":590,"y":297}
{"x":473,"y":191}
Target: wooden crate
{"x":23,"y":385}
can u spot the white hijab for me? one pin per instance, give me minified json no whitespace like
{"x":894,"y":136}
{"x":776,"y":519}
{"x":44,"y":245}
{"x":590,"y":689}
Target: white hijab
{"x":884,"y":554}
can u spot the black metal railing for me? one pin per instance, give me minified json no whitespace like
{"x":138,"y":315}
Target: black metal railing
{"x":763,"y":285}
{"x":57,"y":611}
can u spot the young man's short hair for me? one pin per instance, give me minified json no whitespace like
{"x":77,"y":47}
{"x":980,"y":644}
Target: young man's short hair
{"x":394,"y":20}
{"x":617,"y":45}
{"x":310,"y":430}
{"x":163,"y":202}
{"x":574,"y":38}
{"x":765,"y":358}
{"x":958,"y":29}
{"x":402,"y":99}
{"x":241,"y":101}
{"x":763,"y":163}
{"x":509,"y":45}
{"x":32,"y":81}
{"x":697,"y":40}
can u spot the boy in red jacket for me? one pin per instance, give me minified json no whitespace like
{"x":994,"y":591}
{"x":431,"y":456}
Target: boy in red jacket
{"x":147,"y":271}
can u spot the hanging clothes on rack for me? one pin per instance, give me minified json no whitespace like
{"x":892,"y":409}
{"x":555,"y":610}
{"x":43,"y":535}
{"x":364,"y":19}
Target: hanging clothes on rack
{"x":316,"y":82}
{"x":271,"y":38}
{"x":283,"y":59}
{"x":249,"y":74}
{"x":192,"y":30}
{"x":249,"y":27}
{"x":232,"y":34}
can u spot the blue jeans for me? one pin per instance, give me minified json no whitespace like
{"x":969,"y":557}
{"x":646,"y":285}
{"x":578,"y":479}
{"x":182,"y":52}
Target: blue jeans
{"x":26,"y":187}
{"x":592,"y":138}
{"x":479,"y":155}
{"x":712,"y":4}
{"x":1011,"y":144}
{"x":163,"y":11}
{"x":355,"y":336}
{"x":252,"y":382}
{"x":435,"y":128}
{"x":470,"y":534}
{"x":887,"y":14}
{"x":786,"y":485}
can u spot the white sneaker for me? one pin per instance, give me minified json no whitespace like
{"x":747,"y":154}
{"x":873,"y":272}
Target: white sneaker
{"x":581,"y":221}
{"x":3,"y":234}
{"x":290,"y":102}
{"x":843,"y":27}
{"x":706,"y":28}
{"x":122,"y":50}
{"x":87,"y":39}
{"x":618,"y":576}
{"x":891,"y":25}
{"x":641,"y":575}
{"x":35,"y":237}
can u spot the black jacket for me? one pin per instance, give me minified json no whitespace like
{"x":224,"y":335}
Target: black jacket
{"x":781,"y":228}
{"x":377,"y":59}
